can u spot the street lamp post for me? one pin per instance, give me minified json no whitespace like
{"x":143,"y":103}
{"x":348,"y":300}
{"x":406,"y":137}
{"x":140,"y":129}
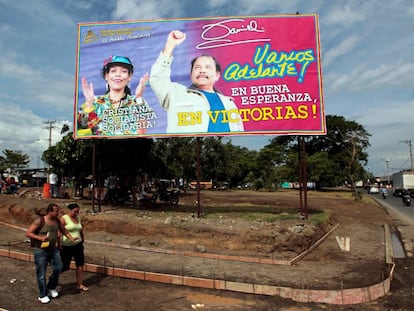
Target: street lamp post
{"x":408,"y":142}
{"x":388,"y":174}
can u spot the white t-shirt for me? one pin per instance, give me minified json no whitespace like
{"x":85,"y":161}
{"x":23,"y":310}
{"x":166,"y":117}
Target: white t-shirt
{"x":53,"y":179}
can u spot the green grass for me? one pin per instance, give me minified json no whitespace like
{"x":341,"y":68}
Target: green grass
{"x":283,"y":207}
{"x":259,"y":213}
{"x":319,"y":219}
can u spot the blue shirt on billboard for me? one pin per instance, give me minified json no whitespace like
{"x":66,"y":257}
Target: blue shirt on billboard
{"x":216,"y":105}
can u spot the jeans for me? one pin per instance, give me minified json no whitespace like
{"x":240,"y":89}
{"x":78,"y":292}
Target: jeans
{"x":42,"y":257}
{"x":54,"y":191}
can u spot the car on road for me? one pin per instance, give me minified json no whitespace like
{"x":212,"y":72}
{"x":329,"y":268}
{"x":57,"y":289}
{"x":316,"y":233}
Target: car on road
{"x":373,"y":190}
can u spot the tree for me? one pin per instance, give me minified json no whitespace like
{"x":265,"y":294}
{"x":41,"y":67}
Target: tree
{"x":65,"y":129}
{"x":322,"y":169}
{"x":74,"y":158}
{"x":240,"y":163}
{"x":213,"y":163}
{"x":356,"y":142}
{"x":13,"y":160}
{"x":346,"y":143}
{"x":270,"y":162}
{"x":69,"y":157}
{"x":333,"y":158}
{"x":173,"y":158}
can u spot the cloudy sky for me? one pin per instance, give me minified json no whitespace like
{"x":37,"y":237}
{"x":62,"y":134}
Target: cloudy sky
{"x":367,"y":63}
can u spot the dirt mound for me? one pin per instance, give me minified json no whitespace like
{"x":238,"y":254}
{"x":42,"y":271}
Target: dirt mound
{"x":244,"y":222}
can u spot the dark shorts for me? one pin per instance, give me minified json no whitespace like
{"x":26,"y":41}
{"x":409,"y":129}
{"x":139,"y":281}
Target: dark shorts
{"x":75,"y":252}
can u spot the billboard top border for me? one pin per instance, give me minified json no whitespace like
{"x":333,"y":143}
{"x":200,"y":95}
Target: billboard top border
{"x":196,"y":18}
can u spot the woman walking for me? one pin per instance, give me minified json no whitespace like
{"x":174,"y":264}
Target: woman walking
{"x":72,"y":223}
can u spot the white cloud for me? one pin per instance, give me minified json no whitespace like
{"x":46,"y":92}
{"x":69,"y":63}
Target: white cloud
{"x":344,"y":15}
{"x":15,"y":126}
{"x":42,"y":12}
{"x":385,"y":123}
{"x":344,"y":47}
{"x":13,"y":68}
{"x":141,"y":9}
{"x":372,"y":78}
{"x":22,"y":130}
{"x":4,"y":29}
{"x":56,"y":85}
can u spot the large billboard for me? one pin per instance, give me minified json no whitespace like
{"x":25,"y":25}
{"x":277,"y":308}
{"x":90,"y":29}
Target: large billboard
{"x":236,"y":75}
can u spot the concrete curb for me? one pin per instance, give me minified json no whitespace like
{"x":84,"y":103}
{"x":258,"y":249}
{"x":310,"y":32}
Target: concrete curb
{"x":337,"y":297}
{"x":406,"y":228}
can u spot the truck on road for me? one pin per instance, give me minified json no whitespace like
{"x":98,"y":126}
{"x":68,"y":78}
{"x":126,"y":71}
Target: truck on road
{"x":401,"y":181}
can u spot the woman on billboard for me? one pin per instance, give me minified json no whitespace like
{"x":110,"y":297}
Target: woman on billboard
{"x":117,"y":112}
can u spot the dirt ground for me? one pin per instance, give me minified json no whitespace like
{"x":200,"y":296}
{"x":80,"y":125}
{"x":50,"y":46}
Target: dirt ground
{"x":220,"y":232}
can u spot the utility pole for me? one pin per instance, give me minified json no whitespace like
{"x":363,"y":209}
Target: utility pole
{"x":388,"y":174}
{"x":49,"y":126}
{"x":408,"y":142}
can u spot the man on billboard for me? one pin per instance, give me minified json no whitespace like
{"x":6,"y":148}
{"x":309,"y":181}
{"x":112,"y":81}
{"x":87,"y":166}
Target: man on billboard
{"x":200,"y":108}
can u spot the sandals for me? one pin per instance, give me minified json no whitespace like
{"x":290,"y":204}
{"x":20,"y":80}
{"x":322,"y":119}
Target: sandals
{"x":83,"y":288}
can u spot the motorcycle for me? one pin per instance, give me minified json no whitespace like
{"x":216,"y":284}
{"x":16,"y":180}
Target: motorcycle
{"x":169,"y":196}
{"x":406,"y":199}
{"x":384,"y":194}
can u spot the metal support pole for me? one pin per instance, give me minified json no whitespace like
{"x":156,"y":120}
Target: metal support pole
{"x":100,"y":182}
{"x":198,"y":177}
{"x":305,"y":178}
{"x":303,"y":184}
{"x":93,"y":175}
{"x":300,"y":175}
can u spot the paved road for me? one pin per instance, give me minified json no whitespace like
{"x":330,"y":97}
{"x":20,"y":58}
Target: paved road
{"x":395,"y":204}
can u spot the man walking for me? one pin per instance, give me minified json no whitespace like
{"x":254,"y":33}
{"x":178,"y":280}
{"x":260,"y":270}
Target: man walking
{"x":44,"y":234}
{"x":54,"y":188}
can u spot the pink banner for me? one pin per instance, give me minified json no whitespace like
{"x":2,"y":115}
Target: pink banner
{"x":250,"y":75}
